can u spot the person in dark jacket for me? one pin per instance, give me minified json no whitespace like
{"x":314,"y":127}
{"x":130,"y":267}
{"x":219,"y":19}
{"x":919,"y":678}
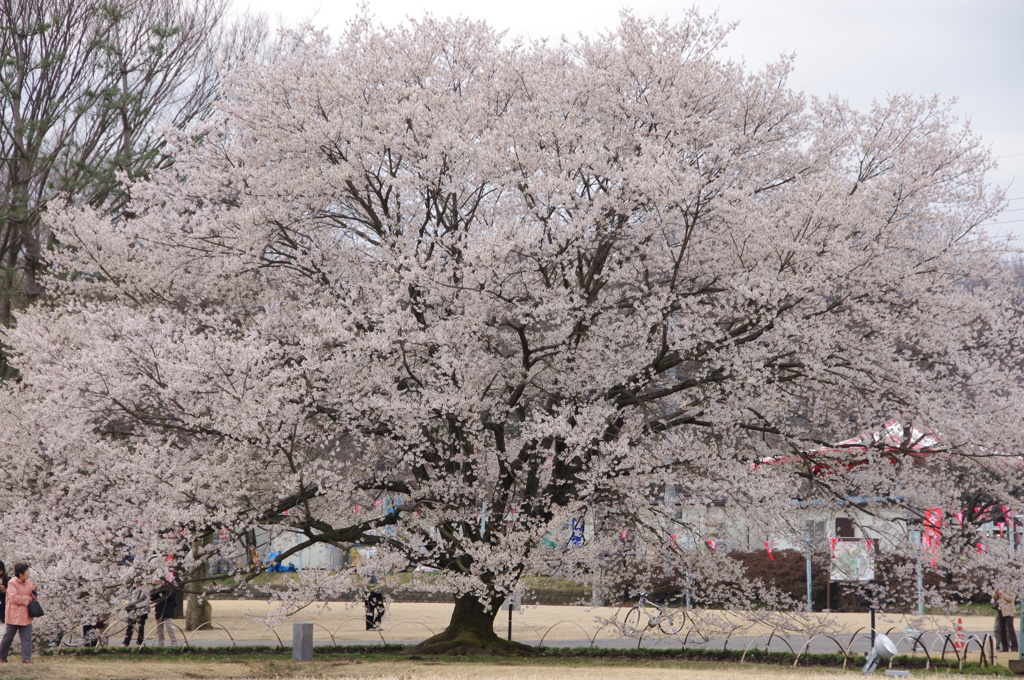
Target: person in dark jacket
{"x":4,"y":578}
{"x":92,"y":633}
{"x":374,"y":604}
{"x":1006,"y":606}
{"x":165,"y":601}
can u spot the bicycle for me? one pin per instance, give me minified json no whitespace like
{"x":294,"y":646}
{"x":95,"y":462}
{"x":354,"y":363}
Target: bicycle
{"x":669,"y":619}
{"x":92,"y":636}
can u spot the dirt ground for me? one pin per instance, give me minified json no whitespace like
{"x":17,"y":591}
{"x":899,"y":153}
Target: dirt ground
{"x":411,"y":622}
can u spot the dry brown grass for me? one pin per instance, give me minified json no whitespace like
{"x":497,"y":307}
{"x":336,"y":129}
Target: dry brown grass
{"x":408,"y":622}
{"x":107,"y":669}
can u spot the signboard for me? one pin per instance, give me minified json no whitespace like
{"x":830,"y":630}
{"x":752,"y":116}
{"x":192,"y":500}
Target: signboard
{"x":852,"y":560}
{"x":515,"y":603}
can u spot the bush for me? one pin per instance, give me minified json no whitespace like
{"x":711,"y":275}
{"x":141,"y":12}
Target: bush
{"x":787,"y":573}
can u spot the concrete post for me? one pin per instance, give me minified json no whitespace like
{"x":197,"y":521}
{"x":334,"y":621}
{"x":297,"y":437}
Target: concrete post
{"x":597,"y":593}
{"x":302,"y":642}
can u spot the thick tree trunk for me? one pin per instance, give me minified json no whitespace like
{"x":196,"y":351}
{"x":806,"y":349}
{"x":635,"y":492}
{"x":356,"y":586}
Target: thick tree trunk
{"x":198,"y":609}
{"x":471,"y":631}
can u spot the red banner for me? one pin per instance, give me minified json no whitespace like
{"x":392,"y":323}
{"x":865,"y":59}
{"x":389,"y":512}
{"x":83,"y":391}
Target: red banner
{"x":932,"y":533}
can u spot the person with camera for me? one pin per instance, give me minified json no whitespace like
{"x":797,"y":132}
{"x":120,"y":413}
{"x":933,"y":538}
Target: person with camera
{"x":1005,"y":603}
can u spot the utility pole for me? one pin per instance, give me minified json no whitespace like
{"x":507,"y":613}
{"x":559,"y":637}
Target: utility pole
{"x":810,"y":547}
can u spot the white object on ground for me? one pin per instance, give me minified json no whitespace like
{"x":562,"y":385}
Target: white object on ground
{"x":884,"y":649}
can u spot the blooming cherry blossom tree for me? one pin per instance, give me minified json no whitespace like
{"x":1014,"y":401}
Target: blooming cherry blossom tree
{"x":495,"y":286}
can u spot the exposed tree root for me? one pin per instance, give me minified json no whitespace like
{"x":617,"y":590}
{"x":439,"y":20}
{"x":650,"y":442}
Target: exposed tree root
{"x":466,"y":642}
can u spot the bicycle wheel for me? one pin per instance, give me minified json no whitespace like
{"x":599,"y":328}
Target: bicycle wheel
{"x":69,"y":638}
{"x":672,"y":620}
{"x":631,"y":624}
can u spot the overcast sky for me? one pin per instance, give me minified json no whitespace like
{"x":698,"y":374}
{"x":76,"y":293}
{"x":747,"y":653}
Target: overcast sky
{"x":859,"y":49}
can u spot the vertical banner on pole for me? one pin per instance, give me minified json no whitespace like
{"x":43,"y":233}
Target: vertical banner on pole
{"x":576,"y":531}
{"x":932,"y":533}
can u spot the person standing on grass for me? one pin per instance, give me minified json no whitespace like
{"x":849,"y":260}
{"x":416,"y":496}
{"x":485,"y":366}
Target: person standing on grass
{"x":20,"y":591}
{"x":164,"y":603}
{"x":1006,"y":607}
{"x":4,"y":578}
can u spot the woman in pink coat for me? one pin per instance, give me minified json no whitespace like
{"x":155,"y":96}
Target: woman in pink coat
{"x":20,"y":591}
